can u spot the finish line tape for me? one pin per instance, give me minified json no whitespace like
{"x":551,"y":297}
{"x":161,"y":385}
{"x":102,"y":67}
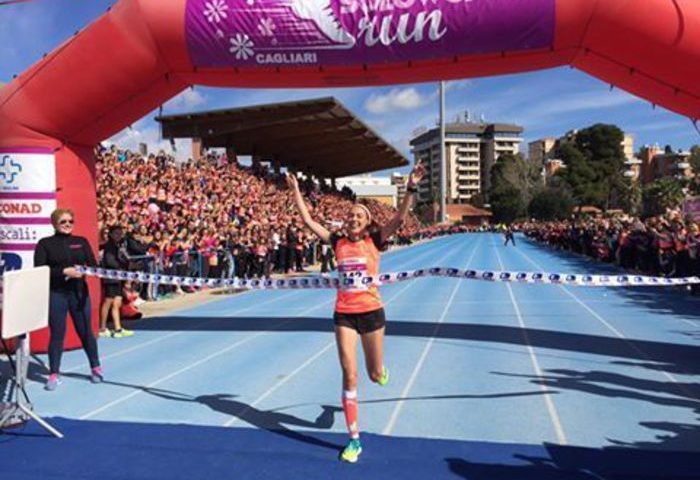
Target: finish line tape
{"x":358,"y":281}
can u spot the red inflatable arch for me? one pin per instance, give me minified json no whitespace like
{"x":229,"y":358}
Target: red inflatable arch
{"x":143,"y":52}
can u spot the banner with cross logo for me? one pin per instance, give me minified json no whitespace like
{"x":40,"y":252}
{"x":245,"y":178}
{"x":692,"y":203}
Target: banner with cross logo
{"x":27,"y":198}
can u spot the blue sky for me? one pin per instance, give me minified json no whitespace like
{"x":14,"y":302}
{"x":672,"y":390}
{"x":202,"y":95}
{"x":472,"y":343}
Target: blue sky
{"x":545,"y":103}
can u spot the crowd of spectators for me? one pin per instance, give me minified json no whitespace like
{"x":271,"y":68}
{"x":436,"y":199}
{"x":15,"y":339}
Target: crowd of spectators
{"x":667,"y":245}
{"x":215,"y":217}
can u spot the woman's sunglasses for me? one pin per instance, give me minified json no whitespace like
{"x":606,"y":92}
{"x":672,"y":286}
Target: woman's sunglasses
{"x":66,"y":222}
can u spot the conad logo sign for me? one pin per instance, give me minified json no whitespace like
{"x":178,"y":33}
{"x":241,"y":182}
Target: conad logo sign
{"x":20,"y":208}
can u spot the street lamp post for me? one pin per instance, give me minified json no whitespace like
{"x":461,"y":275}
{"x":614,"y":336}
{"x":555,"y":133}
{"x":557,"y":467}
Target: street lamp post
{"x":443,"y":157}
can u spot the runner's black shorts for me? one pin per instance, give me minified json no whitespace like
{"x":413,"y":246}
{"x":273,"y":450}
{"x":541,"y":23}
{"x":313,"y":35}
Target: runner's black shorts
{"x":361,"y":322}
{"x":112,"y":289}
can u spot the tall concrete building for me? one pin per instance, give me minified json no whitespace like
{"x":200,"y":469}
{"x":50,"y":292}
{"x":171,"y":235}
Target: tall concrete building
{"x":471,"y":151}
{"x":541,"y":150}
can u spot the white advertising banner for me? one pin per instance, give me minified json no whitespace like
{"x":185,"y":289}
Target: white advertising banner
{"x":27,"y":198}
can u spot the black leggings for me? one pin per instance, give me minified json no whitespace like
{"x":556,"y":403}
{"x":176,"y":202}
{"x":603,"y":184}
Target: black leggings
{"x":78,"y":304}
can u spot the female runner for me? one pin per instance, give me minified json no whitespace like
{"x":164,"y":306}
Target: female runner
{"x":359,"y":311}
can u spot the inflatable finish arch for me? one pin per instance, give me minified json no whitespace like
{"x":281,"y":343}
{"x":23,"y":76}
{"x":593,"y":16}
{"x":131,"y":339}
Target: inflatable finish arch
{"x":143,"y":52}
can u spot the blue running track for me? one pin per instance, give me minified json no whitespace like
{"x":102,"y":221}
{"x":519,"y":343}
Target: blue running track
{"x":488,"y":381}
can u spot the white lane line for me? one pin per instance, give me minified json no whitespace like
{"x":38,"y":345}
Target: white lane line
{"x":499,"y":302}
{"x":414,"y":375}
{"x":617,"y":333}
{"x":308,"y":362}
{"x":175,"y":373}
{"x":692,"y":323}
{"x":272,"y":389}
{"x":198,"y":363}
{"x":180,"y":332}
{"x":551,"y":409}
{"x":234,"y":312}
{"x":214,"y":355}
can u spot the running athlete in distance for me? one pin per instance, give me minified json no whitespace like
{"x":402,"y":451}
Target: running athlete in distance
{"x":359,"y":311}
{"x":510,"y":237}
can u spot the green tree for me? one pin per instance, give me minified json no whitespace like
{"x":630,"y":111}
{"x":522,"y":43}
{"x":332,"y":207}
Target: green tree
{"x":507,"y":204}
{"x":662,"y":194}
{"x":600,"y":142}
{"x":551,"y":203}
{"x":515,"y":171}
{"x":513,"y":180}
{"x":594,"y":162}
{"x":580,"y":176}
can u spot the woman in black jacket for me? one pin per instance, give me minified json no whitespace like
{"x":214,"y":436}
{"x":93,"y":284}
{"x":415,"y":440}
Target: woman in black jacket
{"x":61,"y":252}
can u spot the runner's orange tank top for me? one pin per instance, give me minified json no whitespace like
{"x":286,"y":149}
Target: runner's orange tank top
{"x":357,"y":260}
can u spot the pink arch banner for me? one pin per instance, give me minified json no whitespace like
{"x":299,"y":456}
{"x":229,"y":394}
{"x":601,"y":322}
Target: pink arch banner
{"x":247,"y":33}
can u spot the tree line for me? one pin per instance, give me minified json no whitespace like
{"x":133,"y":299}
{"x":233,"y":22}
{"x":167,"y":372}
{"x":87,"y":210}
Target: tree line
{"x":593,"y":175}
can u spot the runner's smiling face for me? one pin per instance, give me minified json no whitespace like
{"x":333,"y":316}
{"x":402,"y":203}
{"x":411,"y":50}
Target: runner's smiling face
{"x":357,"y":220}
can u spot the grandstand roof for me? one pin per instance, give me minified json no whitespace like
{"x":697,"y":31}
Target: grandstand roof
{"x":318,"y":136}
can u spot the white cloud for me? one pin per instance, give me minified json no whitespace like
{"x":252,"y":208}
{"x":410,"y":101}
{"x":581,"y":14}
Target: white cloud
{"x":544,"y":111}
{"x":661,"y":125}
{"x":185,"y":100}
{"x":396,"y":99}
{"x":592,"y":100}
{"x":456,"y":85}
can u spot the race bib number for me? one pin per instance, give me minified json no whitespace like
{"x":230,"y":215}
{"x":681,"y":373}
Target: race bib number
{"x":351,"y":272}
